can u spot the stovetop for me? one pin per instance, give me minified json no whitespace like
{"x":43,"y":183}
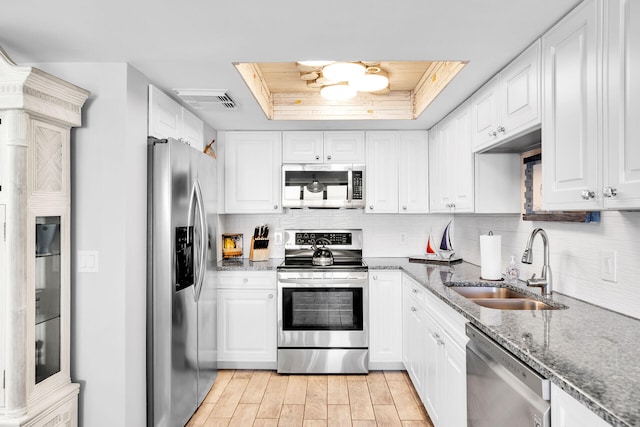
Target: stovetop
{"x":345,"y":245}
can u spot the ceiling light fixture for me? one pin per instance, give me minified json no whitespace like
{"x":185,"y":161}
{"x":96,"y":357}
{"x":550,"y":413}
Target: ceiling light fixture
{"x":343,"y":71}
{"x":338,"y":92}
{"x":373,"y":80}
{"x":343,"y":80}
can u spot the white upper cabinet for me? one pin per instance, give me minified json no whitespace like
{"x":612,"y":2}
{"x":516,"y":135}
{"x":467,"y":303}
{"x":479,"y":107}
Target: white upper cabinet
{"x":570,"y":141}
{"x":508,"y":105}
{"x":413,"y":172}
{"x":323,"y":147}
{"x":451,"y":164}
{"x":192,"y":130}
{"x":621,"y":186}
{"x":382,"y":172}
{"x":168,"y":119}
{"x":344,"y":147}
{"x":252,"y":172}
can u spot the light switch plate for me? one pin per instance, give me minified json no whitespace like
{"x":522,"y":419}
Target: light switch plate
{"x":277,"y":238}
{"x":88,"y":262}
{"x":608,"y":265}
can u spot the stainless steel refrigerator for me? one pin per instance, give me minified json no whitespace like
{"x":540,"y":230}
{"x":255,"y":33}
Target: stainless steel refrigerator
{"x":181,"y":282}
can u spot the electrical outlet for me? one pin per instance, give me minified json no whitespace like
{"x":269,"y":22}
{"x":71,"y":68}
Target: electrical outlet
{"x":608,"y":265}
{"x":277,"y":238}
{"x":402,"y":237}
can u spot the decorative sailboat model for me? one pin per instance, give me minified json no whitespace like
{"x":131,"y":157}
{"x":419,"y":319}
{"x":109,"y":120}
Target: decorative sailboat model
{"x":446,"y":250}
{"x":443,"y":254}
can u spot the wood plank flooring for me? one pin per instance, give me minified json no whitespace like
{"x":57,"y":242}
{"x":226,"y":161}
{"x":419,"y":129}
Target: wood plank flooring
{"x":264,"y":398}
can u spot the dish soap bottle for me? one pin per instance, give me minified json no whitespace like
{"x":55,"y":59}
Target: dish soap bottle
{"x":513,"y":272}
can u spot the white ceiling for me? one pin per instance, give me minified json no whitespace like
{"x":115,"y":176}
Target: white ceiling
{"x":192,"y":43}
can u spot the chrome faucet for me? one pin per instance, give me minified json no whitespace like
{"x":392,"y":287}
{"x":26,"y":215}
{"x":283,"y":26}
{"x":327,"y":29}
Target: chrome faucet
{"x":544,"y":281}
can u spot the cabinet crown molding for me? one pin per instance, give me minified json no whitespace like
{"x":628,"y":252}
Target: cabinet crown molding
{"x":41,"y":93}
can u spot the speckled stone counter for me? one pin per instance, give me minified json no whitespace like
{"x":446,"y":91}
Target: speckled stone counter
{"x":590,"y":352}
{"x":243,"y":264}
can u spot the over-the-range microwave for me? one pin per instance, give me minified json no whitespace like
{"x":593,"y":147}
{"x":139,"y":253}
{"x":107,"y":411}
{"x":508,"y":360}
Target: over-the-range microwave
{"x":323,"y":186}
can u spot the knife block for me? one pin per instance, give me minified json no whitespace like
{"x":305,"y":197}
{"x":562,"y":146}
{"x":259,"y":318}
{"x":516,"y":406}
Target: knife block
{"x":259,"y":250}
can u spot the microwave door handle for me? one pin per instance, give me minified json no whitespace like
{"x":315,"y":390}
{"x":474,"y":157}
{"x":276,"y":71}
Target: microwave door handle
{"x":203,"y":240}
{"x":350,"y":186}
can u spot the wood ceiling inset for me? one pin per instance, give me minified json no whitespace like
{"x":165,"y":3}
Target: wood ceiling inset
{"x":282,"y":95}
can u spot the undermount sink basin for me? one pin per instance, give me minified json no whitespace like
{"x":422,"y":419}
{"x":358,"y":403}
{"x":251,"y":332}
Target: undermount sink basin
{"x":487,"y":292}
{"x":514,"y":304}
{"x":502,"y":298}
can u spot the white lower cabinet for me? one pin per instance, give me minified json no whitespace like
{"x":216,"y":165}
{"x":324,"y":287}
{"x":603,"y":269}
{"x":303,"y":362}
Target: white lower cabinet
{"x":568,"y":412}
{"x":385,"y":325}
{"x":434,"y":354}
{"x":247,"y":320}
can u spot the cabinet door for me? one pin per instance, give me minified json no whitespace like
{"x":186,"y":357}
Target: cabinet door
{"x":165,"y":115}
{"x":461,"y":161}
{"x":570,"y":142}
{"x":437,"y":177}
{"x":247,"y":325}
{"x":484,"y":113}
{"x":302,"y":147}
{"x":568,"y":412}
{"x":413,"y":338}
{"x":622,"y":148}
{"x":434,"y":372}
{"x":344,"y":147}
{"x":519,"y":93}
{"x":252,"y":172}
{"x":192,"y":130}
{"x":413,"y":173}
{"x":382,"y":172}
{"x":385,"y":308}
{"x":455,"y":385}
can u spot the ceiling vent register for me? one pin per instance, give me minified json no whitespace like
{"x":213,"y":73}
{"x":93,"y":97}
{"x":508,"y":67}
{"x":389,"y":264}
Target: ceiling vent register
{"x":206,"y":99}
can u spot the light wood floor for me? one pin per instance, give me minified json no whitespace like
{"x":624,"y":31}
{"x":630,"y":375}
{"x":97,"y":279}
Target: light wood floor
{"x":264,"y":398}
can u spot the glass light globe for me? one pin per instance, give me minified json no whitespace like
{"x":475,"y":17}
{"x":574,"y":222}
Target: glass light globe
{"x":343,"y":71}
{"x":339,"y":92}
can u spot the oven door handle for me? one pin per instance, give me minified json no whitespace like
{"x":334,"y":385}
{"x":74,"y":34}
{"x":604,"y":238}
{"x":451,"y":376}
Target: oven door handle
{"x":324,"y":282}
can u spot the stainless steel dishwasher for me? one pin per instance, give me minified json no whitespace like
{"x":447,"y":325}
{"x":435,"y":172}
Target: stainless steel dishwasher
{"x":501,"y":390}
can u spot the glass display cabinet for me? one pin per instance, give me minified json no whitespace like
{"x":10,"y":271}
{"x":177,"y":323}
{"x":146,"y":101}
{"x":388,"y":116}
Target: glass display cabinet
{"x":47,"y":297}
{"x":37,"y":111}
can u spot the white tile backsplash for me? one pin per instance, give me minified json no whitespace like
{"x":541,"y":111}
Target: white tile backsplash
{"x":574,"y":247}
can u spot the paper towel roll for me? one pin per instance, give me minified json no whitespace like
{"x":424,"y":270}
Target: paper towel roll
{"x":490,"y":257}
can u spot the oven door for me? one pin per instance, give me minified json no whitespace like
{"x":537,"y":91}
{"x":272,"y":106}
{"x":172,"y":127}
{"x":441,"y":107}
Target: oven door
{"x":320,"y":310}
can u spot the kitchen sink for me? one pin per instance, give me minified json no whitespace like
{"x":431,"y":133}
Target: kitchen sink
{"x":487,"y":292}
{"x":502,"y":298}
{"x":514,"y":304}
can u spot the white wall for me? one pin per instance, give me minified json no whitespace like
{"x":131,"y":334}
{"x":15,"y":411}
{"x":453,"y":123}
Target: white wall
{"x":109,"y":216}
{"x":381,"y":232}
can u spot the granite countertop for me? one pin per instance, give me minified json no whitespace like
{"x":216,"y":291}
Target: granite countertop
{"x":243,"y":264}
{"x":590,"y":352}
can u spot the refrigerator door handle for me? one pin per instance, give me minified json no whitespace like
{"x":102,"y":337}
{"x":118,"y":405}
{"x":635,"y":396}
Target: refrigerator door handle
{"x":203,"y":239}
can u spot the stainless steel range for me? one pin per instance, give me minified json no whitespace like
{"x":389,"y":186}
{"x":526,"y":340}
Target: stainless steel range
{"x":323,"y":303}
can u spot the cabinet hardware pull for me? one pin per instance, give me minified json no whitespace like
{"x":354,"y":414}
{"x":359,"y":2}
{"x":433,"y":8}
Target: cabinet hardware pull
{"x":375,"y":277}
{"x":270,"y":296}
{"x":371,"y":207}
{"x":404,"y":208}
{"x":413,"y":309}
{"x":415,"y":291}
{"x":609,"y":192}
{"x":275,"y":206}
{"x":317,"y":157}
{"x":329,"y":157}
{"x":587,"y":194}
{"x":492,"y":133}
{"x":501,"y":129}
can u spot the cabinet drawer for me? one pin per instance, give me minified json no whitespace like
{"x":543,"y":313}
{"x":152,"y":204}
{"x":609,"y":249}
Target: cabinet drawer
{"x":247,"y":280}
{"x":415,"y":290}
